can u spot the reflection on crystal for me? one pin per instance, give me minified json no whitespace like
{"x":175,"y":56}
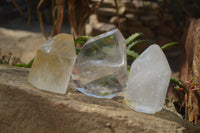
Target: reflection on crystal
{"x":148,"y":81}
{"x":102,"y":65}
{"x":53,"y":64}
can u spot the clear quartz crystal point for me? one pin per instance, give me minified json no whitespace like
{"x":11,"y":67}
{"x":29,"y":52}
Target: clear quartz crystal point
{"x":148,"y":81}
{"x":53,"y":64}
{"x":102,"y":65}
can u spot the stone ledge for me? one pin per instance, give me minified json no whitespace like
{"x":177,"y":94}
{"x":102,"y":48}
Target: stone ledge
{"x":25,"y":109}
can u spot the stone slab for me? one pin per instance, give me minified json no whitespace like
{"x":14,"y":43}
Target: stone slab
{"x":26,"y":109}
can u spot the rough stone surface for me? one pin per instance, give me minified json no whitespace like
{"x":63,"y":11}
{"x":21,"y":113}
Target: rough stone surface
{"x":25,"y":109}
{"x":20,"y":44}
{"x":128,"y":3}
{"x":113,"y":20}
{"x":137,"y":16}
{"x":95,"y":27}
{"x":106,"y":11}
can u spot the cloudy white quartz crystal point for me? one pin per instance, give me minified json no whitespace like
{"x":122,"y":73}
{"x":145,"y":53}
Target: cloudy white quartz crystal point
{"x":53,"y":64}
{"x":148,"y":81}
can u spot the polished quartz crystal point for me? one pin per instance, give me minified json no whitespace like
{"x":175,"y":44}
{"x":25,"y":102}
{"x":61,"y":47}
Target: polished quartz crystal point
{"x":53,"y":64}
{"x":102,"y":65}
{"x":148,"y":81}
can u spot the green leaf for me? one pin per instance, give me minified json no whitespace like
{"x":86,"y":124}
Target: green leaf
{"x":29,"y":65}
{"x":132,"y":53}
{"x":136,"y":42}
{"x":20,"y":65}
{"x":177,"y":82}
{"x":82,"y":39}
{"x":169,"y":44}
{"x":133,"y":37}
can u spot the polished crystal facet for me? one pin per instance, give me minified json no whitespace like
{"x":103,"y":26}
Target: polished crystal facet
{"x":102,"y":65}
{"x":148,"y":81}
{"x":53,"y":64}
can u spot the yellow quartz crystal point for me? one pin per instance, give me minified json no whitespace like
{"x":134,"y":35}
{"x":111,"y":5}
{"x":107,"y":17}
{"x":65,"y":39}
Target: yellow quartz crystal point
{"x":53,"y":64}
